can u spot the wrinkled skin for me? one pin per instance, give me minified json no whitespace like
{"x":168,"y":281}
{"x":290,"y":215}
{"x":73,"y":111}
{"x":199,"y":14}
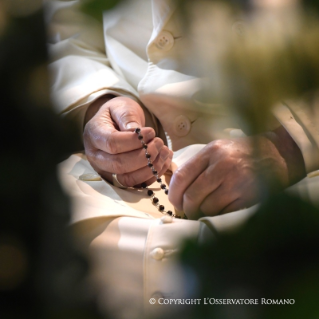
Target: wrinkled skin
{"x":225,"y":176}
{"x":111,"y":146}
{"x":228,"y":175}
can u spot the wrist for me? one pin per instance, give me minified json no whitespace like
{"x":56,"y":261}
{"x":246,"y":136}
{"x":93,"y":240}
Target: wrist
{"x":290,"y":152}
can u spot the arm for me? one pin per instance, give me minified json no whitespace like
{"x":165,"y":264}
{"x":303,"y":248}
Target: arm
{"x":80,"y":70}
{"x":86,"y":87}
{"x":300,"y":119}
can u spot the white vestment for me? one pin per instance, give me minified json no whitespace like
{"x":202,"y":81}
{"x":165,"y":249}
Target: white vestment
{"x":136,"y":54}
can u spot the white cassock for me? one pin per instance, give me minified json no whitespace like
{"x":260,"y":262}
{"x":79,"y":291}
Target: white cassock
{"x":137,"y":54}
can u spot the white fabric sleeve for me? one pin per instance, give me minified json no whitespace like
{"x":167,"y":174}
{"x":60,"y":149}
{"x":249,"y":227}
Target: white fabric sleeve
{"x":303,"y":126}
{"x":80,"y":70}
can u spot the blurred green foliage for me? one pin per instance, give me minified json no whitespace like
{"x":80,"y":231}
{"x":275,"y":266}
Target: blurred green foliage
{"x":273,"y":256}
{"x":269,"y":57}
{"x":311,"y":5}
{"x":269,"y":65}
{"x":95,"y":8}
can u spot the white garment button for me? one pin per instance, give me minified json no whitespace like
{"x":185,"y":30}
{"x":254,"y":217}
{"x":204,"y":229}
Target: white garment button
{"x":157,"y":253}
{"x":166,"y":219}
{"x":164,"y":41}
{"x":90,"y":177}
{"x":182,"y":125}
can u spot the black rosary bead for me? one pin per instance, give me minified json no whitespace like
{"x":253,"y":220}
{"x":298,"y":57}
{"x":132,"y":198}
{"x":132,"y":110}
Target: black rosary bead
{"x":155,"y":200}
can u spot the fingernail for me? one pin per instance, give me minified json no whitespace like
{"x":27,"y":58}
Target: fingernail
{"x":132,"y":125}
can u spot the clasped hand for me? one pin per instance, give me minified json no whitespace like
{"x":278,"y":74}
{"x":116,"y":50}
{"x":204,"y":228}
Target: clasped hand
{"x":224,"y":176}
{"x":231,"y":174}
{"x":111,"y":146}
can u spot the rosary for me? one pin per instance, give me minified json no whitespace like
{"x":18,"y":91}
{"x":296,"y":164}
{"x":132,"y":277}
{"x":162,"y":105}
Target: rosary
{"x":150,"y":193}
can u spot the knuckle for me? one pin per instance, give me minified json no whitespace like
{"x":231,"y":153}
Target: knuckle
{"x":111,"y":144}
{"x":128,"y":114}
{"x":219,"y":145}
{"x":178,"y":177}
{"x":215,"y":145}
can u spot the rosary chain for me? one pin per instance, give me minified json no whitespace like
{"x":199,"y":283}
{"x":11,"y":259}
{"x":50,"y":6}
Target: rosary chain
{"x":150,"y":193}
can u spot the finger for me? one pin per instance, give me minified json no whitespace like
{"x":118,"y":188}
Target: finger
{"x":161,"y":172}
{"x":245,"y":199}
{"x":195,"y":194}
{"x":127,"y":113}
{"x":111,"y":141}
{"x":237,"y":204}
{"x":184,"y":176}
{"x":218,"y":200}
{"x":125,"y":162}
{"x":232,"y":195}
{"x":167,"y":163}
{"x":146,"y":174}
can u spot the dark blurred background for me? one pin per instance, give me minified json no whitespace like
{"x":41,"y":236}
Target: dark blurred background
{"x":41,"y":273}
{"x":273,"y":256}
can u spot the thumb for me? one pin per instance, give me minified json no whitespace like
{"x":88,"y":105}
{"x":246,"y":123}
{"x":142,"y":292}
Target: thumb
{"x":127,"y":114}
{"x":131,"y":126}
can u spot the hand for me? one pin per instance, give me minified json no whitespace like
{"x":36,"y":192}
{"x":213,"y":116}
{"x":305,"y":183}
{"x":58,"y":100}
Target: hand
{"x":228,"y":175}
{"x":111,"y":146}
